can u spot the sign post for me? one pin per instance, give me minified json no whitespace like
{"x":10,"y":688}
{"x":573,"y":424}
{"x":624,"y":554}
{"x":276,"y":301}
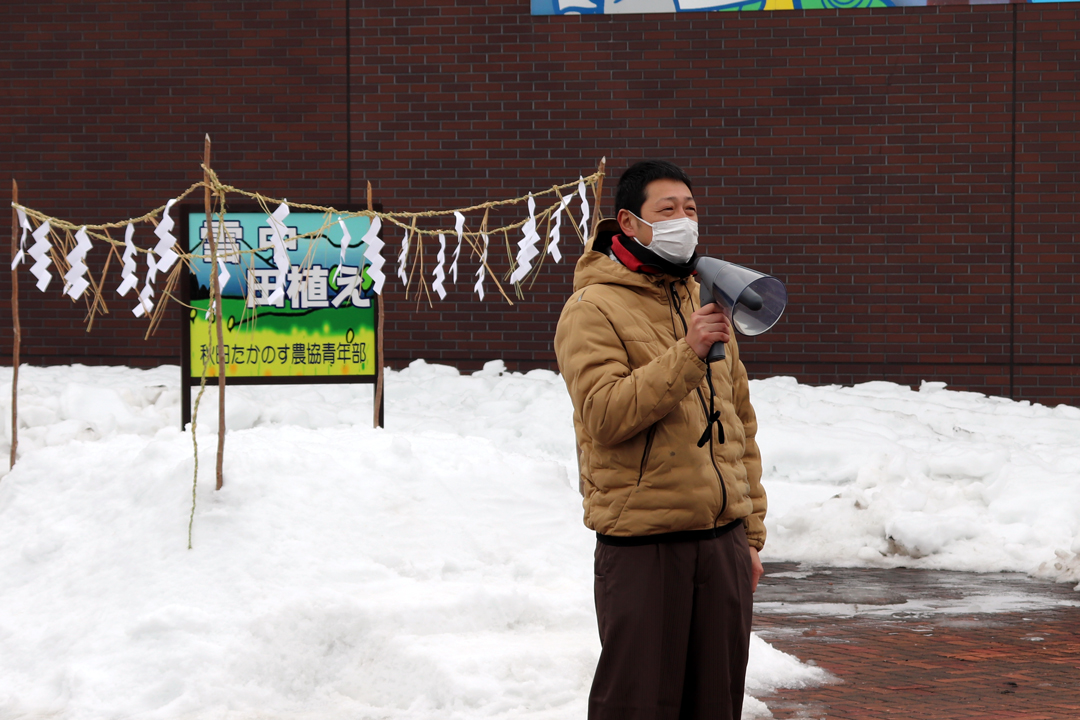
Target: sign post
{"x":380,"y":419}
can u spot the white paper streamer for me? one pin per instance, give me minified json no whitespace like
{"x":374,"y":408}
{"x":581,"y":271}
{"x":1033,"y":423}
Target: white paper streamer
{"x":146,"y":305}
{"x":373,"y":252}
{"x":281,"y":255}
{"x":553,"y":246}
{"x":224,"y":276}
{"x":25,"y":225}
{"x":223,"y":279}
{"x":223,"y":271}
{"x":439,"y":274}
{"x":75,"y":282}
{"x":151,"y":269}
{"x":584,"y":224}
{"x":127,"y":273}
{"x":166,"y":240}
{"x":40,"y":252}
{"x":346,"y":240}
{"x":459,"y":227}
{"x":479,"y":286}
{"x":527,"y":245}
{"x":403,"y":258}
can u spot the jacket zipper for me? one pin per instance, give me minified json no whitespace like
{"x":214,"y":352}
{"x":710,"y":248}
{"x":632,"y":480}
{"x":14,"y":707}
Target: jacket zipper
{"x":673,"y":299}
{"x":645,"y":456}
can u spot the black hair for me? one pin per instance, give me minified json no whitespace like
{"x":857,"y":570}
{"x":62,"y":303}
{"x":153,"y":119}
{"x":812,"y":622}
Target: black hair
{"x":630,"y":193}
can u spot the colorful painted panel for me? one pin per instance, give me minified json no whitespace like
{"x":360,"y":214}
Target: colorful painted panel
{"x":613,"y":7}
{"x":321,"y":325}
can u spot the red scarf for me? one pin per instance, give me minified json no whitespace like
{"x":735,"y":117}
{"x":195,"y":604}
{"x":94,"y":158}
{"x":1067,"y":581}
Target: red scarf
{"x":627,"y":259}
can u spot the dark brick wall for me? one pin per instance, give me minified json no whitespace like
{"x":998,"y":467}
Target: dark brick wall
{"x":106,"y":108}
{"x":910,"y":173}
{"x":1047,"y":268}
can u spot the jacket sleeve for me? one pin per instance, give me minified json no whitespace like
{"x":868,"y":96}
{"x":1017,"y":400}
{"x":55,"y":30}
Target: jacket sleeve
{"x":614,"y":401}
{"x":740,"y":390}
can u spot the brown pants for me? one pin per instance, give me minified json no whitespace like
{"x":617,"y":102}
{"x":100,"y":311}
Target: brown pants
{"x":674,"y":629}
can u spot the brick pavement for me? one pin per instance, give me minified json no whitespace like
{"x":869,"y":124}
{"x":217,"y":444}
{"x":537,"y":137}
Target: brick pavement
{"x":910,"y":644}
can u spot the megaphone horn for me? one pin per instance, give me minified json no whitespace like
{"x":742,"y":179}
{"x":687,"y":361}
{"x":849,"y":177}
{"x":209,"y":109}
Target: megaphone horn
{"x":754,"y":301}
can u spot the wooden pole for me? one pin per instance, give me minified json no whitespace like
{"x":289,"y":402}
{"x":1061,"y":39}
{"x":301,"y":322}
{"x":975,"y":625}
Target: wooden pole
{"x":598,"y":196}
{"x":379,"y":415}
{"x":16,"y":345}
{"x":219,"y":309}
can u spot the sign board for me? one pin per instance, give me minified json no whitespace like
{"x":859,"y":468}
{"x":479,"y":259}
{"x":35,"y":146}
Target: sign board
{"x":618,"y":7}
{"x":321,"y":327}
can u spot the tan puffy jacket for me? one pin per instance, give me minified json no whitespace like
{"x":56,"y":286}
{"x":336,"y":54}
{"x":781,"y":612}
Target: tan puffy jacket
{"x":640,"y":397}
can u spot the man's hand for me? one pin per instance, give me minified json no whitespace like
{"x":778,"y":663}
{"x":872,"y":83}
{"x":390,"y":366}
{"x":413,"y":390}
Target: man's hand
{"x":756,"y":569}
{"x":707,"y":326}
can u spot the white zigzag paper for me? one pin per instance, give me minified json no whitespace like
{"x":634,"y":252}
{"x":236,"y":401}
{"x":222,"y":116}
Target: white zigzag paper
{"x":373,"y":252}
{"x":584,"y":224}
{"x":459,"y":227}
{"x":40,"y":252}
{"x":527,"y":245}
{"x":553,"y":246}
{"x":25,"y":225}
{"x":166,"y":240}
{"x":127,"y":273}
{"x":346,"y":240}
{"x":403,"y":258}
{"x":479,"y":286}
{"x":75,"y":282}
{"x":439,"y":274}
{"x":223,"y":271}
{"x":281,"y":255}
{"x":223,"y":280}
{"x":146,"y":305}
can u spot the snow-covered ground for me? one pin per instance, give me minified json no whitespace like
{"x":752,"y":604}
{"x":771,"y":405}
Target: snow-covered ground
{"x":437,"y":568}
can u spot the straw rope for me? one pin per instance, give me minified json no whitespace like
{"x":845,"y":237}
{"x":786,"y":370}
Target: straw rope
{"x":62,"y":241}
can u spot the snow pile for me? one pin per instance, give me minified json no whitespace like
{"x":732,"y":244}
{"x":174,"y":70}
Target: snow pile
{"x":434,"y":569}
{"x":437,"y":568}
{"x":880,"y":474}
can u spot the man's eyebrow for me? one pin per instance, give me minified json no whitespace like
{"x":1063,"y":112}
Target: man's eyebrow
{"x":672,"y":198}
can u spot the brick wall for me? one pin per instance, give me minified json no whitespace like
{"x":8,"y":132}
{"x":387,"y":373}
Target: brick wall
{"x":1047,"y":270}
{"x":910,"y":173}
{"x":107,"y":105}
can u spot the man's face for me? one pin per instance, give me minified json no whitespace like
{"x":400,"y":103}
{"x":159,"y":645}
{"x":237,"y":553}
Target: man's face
{"x":664,"y":200}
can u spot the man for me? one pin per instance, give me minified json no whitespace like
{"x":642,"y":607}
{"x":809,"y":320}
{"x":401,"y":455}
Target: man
{"x":670,"y":470}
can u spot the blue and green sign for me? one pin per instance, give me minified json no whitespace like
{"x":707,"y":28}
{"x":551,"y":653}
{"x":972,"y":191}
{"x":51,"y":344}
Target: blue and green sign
{"x":613,"y":7}
{"x":313,"y":320}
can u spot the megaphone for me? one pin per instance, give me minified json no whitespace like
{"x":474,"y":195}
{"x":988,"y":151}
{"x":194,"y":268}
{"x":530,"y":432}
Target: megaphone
{"x":754,"y":301}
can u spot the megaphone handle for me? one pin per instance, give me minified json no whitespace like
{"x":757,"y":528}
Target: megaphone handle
{"x":716,"y":352}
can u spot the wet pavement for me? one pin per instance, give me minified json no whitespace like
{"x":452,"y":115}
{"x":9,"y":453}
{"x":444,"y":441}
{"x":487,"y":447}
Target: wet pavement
{"x":904,"y":643}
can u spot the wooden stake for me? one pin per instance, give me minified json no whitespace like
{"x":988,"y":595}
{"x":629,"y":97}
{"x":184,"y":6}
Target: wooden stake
{"x":412,"y":268}
{"x":219,"y":310}
{"x":16,"y":346}
{"x":378,"y":342}
{"x":598,"y":196}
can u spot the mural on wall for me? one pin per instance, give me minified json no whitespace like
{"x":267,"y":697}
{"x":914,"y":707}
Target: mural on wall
{"x":612,"y":7}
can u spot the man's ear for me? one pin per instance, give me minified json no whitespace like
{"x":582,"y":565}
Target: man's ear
{"x":626,"y":218}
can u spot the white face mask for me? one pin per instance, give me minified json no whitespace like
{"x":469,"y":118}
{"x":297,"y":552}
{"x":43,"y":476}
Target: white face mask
{"x":673,"y":240}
